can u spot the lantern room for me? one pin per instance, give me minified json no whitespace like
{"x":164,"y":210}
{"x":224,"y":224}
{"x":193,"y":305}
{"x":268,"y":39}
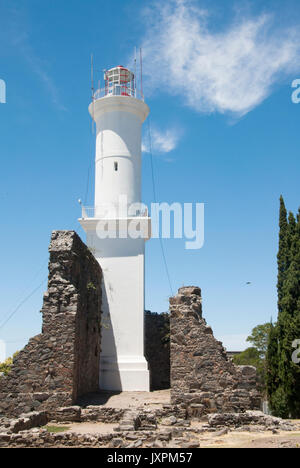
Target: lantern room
{"x":119,"y":81}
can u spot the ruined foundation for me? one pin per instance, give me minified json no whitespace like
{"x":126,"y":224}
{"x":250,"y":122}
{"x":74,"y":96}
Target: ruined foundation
{"x":62,"y":363}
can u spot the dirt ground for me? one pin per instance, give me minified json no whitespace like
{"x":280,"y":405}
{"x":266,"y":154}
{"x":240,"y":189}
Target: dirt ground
{"x":233,"y":439}
{"x":251,"y":440}
{"x":129,"y":399}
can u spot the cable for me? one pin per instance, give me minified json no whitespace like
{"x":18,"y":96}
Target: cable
{"x":23,"y":302}
{"x":155,"y":200}
{"x":87,"y":185}
{"x":75,"y":228}
{"x":36,"y":275}
{"x":29,"y":295}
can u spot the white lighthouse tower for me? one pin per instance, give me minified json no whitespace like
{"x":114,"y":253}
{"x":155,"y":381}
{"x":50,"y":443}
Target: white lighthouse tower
{"x":117,"y":228}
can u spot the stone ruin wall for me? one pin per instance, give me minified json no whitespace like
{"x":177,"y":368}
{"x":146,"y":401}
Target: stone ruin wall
{"x":62,"y":363}
{"x":202,"y":375}
{"x":157,"y":349}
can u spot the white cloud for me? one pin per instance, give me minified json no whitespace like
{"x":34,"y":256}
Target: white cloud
{"x":232,"y":70}
{"x":15,"y":35}
{"x":162,"y":141}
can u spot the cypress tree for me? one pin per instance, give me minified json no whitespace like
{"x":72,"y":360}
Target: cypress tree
{"x":282,"y":256}
{"x":276,"y":358}
{"x":282,"y":395}
{"x":290,"y":372}
{"x":283,"y":376}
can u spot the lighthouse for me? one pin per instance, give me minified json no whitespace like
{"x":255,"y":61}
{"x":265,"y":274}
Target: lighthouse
{"x":117,"y":227}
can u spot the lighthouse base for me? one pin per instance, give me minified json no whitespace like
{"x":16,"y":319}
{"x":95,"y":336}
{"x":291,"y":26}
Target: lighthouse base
{"x":123,"y":366}
{"x":127,"y":374}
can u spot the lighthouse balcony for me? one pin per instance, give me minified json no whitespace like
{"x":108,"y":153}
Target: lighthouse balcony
{"x":114,"y":90}
{"x":123,"y":223}
{"x":111,"y":211}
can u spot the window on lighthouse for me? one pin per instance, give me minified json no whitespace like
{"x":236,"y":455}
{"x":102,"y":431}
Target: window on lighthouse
{"x":116,"y":166}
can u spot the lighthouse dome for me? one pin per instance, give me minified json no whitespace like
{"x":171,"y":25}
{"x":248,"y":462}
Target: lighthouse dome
{"x":119,"y":81}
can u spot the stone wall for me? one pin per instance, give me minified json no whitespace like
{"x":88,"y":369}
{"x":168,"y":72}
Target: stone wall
{"x":132,"y":428}
{"x":62,"y":363}
{"x":202,"y":375}
{"x":157,"y":349}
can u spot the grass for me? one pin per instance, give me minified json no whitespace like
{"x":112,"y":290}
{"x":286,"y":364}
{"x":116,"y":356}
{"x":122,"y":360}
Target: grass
{"x":56,"y":428}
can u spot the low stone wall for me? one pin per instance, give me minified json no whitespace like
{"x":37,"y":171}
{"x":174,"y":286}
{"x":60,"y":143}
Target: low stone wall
{"x":24,"y":422}
{"x":157,"y":349}
{"x":61,"y":363}
{"x":41,"y":438}
{"x":249,"y":418}
{"x":138,"y":428}
{"x":202,"y":375}
{"x":102,"y":414}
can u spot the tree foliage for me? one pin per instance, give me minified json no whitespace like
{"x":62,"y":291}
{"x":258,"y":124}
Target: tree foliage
{"x":256,"y":355}
{"x":5,"y":366}
{"x":252,"y":357}
{"x":259,"y":338}
{"x":283,"y":375}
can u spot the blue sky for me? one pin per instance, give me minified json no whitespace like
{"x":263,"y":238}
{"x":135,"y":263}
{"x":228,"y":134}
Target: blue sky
{"x":217,"y":78}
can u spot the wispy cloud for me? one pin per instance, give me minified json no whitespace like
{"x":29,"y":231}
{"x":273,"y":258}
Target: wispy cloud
{"x":228,"y":71}
{"x":39,"y":68}
{"x":15,"y":34}
{"x":162,"y":140}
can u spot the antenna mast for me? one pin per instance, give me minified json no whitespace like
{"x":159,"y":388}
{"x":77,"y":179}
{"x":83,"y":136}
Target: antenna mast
{"x":135,"y":72}
{"x":141,"y":66}
{"x":93,"y":90}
